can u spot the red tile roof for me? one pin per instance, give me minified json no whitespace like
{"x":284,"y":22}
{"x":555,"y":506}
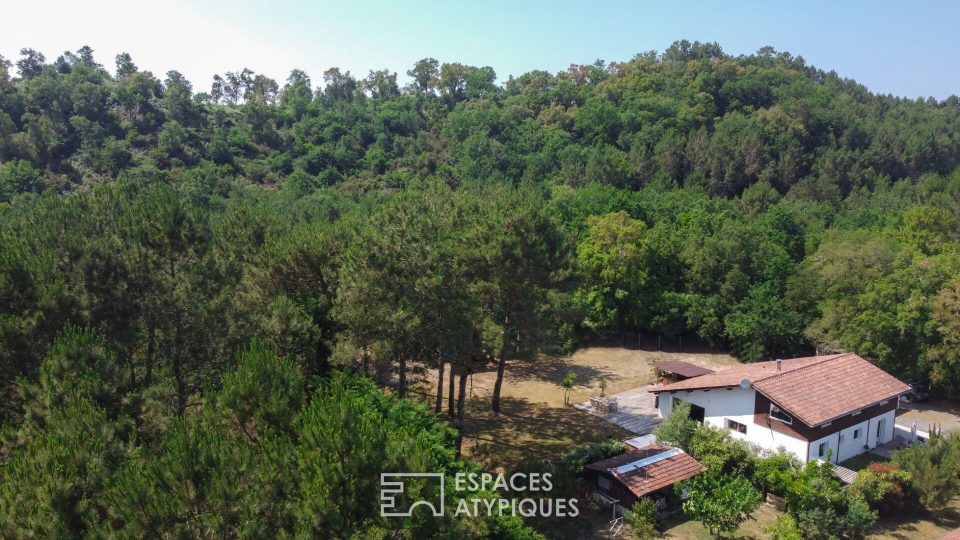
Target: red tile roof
{"x":815,"y":389}
{"x":684,"y":369}
{"x":652,"y":477}
{"x":827,"y":390}
{"x":734,"y":375}
{"x":952,"y":535}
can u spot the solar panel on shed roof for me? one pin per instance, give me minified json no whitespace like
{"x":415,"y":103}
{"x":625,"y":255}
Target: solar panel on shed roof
{"x":641,"y":463}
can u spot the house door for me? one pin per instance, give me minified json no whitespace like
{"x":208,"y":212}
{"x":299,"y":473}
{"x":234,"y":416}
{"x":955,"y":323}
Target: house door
{"x":881,"y":426}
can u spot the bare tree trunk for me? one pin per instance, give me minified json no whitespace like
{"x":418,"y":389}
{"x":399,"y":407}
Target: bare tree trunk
{"x":439,"y":406}
{"x":460,"y":400}
{"x":451,"y":395}
{"x":322,"y":363}
{"x":501,"y":367}
{"x":402,"y":391}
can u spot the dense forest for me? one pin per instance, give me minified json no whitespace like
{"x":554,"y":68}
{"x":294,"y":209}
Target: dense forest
{"x":192,"y":273}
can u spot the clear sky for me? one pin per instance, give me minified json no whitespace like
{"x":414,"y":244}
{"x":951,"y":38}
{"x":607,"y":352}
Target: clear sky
{"x":903,"y":48}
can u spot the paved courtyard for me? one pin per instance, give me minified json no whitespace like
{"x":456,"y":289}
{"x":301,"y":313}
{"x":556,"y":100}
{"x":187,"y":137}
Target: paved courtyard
{"x":943,"y":414}
{"x":635,"y":413}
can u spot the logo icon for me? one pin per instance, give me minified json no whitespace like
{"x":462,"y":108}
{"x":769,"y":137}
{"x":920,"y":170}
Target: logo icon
{"x":393,"y":485}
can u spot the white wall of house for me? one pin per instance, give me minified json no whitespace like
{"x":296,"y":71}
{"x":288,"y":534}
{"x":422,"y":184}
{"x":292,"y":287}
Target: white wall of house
{"x":843,"y":445}
{"x":773,"y":440}
{"x":718,"y":404}
{"x":735,"y":404}
{"x":851,"y":441}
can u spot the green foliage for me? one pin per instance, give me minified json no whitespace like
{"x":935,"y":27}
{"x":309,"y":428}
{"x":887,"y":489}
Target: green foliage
{"x":774,"y":473}
{"x":816,"y":486}
{"x":933,"y":468}
{"x":568,"y":381}
{"x":264,"y":392}
{"x":822,"y":509}
{"x":641,"y":518}
{"x":784,"y":529}
{"x":721,"y":453}
{"x":54,"y":485}
{"x":721,"y":501}
{"x":19,"y":176}
{"x":677,"y":429}
{"x":614,"y":260}
{"x":884,"y":486}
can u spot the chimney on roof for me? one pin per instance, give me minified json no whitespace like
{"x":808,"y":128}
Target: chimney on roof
{"x":779,"y":362}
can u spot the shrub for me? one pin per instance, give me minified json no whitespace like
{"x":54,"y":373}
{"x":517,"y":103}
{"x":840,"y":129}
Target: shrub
{"x":821,"y":509}
{"x":641,"y":518}
{"x":884,"y":486}
{"x":933,"y":468}
{"x":719,"y":452}
{"x":815,"y":487}
{"x":721,"y":501}
{"x":858,"y":519}
{"x":677,"y":428}
{"x":784,"y":529}
{"x":774,"y":473}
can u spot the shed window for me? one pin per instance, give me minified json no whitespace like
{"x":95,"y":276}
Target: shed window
{"x":603,"y":482}
{"x":777,"y":414}
{"x":733,"y":425}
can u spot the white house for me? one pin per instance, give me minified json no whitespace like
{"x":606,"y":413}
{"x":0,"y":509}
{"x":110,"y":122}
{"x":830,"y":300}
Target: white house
{"x":840,"y":402}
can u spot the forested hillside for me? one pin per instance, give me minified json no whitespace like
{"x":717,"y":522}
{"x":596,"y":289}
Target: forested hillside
{"x":755,"y":203}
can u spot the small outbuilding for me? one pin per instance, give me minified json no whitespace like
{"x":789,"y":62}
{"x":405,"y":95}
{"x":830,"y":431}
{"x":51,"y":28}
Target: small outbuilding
{"x":678,"y":370}
{"x":650,"y":471}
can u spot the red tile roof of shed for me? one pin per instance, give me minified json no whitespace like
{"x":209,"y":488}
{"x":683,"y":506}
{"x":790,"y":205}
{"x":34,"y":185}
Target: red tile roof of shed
{"x":654,"y":476}
{"x":685,"y":369}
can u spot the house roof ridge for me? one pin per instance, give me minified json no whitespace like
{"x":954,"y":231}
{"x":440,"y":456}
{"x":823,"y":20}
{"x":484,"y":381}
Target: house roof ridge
{"x":826,"y":358}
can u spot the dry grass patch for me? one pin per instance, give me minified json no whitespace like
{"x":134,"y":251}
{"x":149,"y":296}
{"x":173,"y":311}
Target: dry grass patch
{"x":534,"y":423}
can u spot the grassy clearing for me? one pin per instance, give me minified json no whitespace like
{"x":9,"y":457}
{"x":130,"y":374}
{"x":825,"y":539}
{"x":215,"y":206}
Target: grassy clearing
{"x":533,"y":422}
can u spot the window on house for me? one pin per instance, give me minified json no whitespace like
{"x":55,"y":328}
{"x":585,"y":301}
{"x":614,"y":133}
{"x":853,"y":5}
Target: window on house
{"x":822,"y":450}
{"x":777,"y":414}
{"x":857,"y":432}
{"x":733,"y":425}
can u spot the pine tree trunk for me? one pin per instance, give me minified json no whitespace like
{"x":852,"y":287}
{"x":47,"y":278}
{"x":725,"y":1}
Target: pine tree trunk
{"x":451,"y":395}
{"x":439,"y":406}
{"x":460,"y":400}
{"x":323,"y":365}
{"x":501,"y":367}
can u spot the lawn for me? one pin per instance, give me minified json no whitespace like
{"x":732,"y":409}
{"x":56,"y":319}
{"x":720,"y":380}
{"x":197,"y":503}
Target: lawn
{"x":680,"y":527}
{"x":533,"y":422}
